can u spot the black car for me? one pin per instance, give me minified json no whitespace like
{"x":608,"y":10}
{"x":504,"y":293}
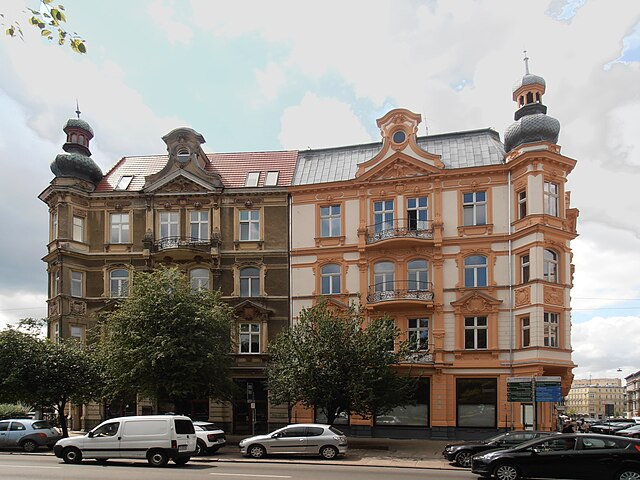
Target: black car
{"x":581,"y":456}
{"x":610,"y":427}
{"x":461,"y":453}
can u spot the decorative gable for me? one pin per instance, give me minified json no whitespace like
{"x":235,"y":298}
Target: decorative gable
{"x":476,"y":303}
{"x":180,"y":181}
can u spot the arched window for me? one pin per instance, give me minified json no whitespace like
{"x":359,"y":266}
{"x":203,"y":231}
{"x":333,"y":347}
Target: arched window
{"x":199,"y":278}
{"x":250,"y":282}
{"x":529,"y":97}
{"x":418,"y":275}
{"x":384,"y":276}
{"x":183,"y":154}
{"x":119,"y":283}
{"x":550,"y":267}
{"x":475,"y":271}
{"x":330,"y":279}
{"x":74,"y":138}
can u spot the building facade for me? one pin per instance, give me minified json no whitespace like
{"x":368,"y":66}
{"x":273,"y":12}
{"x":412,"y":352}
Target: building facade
{"x":632,"y":391}
{"x":463,"y":241}
{"x":596,"y":398}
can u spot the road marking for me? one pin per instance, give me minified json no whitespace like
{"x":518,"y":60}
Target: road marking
{"x":22,"y":466}
{"x":247,"y":475}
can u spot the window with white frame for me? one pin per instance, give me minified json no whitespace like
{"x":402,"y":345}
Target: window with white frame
{"x":124,"y":182}
{"x":525,"y":268}
{"x":55,"y":283}
{"x":119,"y":283}
{"x":249,"y":282}
{"x":249,"y":337}
{"x":383,"y":215}
{"x":119,"y":228}
{"x":525,"y":323}
{"x":475,"y":271}
{"x":330,"y":221}
{"x":475,"y":333}
{"x":54,"y":225}
{"x":330,"y":279}
{"x":384,"y":276}
{"x":418,"y":334}
{"x":249,"y":225}
{"x":551,"y":198}
{"x":418,"y":213}
{"x":418,"y":275}
{"x":199,"y":278}
{"x":474,"y":208}
{"x":551,"y":329}
{"x":550,"y":267}
{"x":56,"y":332}
{"x":522,"y":204}
{"x":77,"y":333}
{"x":78,"y":229}
{"x":168,"y":224}
{"x":271,"y":179}
{"x":77,"y":280}
{"x":199,"y":225}
{"x":252,"y":179}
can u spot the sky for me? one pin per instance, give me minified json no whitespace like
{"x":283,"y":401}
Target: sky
{"x":270,"y":75}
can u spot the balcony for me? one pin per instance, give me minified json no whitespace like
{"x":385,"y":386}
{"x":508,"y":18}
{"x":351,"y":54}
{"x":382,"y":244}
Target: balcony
{"x":400,"y":291}
{"x":400,"y":228}
{"x":185,"y":243}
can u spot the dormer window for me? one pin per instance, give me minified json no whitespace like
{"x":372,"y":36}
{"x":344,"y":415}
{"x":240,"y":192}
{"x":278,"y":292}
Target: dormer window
{"x":271,"y":179}
{"x":252,"y":179}
{"x":183,"y":155}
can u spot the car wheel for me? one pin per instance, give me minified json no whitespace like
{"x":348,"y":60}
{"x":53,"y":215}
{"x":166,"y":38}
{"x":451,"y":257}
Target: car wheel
{"x":71,"y":455}
{"x":628,"y":475}
{"x":181,"y":460}
{"x":328,"y":452}
{"x":506,"y":472}
{"x":201,"y":448}
{"x":257,"y":451}
{"x":157,"y":458}
{"x":463,"y":459}
{"x":29,"y":446}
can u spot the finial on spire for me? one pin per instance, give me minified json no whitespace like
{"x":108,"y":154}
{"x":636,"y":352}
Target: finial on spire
{"x":77,"y":109}
{"x":526,"y":63}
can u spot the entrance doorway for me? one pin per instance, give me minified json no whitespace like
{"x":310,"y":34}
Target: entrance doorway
{"x":248,"y":420}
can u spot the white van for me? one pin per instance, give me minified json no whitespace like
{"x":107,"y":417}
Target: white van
{"x":157,"y":438}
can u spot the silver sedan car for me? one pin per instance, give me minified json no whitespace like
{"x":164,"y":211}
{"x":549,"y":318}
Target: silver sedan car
{"x":297,"y":439}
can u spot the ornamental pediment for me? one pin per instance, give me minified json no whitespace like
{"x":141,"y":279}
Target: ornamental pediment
{"x":181,"y":181}
{"x":476,"y":303}
{"x":398,"y":168}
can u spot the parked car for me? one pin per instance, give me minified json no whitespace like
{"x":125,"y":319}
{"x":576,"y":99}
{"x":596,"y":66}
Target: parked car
{"x":610,"y":428}
{"x":297,"y":439}
{"x":27,"y":434}
{"x":461,"y":453}
{"x":581,"y":456}
{"x":157,"y":438}
{"x":210,"y":437}
{"x":631,"y":432}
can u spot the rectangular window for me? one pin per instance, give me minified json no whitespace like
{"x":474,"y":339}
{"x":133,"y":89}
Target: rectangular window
{"x":119,"y":228}
{"x":249,"y":338}
{"x":250,"y":282}
{"x":271,"y":179}
{"x":77,"y":333}
{"x":330,"y":222}
{"x":525,"y":268}
{"x":418,"y":213}
{"x":55,"y":283}
{"x":476,"y":400}
{"x":416,"y":414}
{"x":56,"y":332}
{"x":199,"y":225}
{"x":78,"y":229}
{"x":551,"y":329}
{"x":249,"y":225}
{"x":475,"y":208}
{"x":76,"y":284}
{"x":168,"y":225}
{"x":418,"y":332}
{"x":522,"y":204}
{"x":475,"y":333}
{"x":383,"y":216}
{"x":124,"y":182}
{"x":551,"y":198}
{"x":252,"y":179}
{"x":526,"y":331}
{"x":54,"y":225}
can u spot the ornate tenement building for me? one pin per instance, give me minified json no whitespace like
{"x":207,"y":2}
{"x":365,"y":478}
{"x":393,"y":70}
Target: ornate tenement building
{"x":596,"y":398}
{"x":463,"y":241}
{"x":633,"y":394}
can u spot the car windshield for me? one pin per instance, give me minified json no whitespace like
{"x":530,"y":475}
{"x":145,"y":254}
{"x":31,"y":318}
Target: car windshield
{"x":208,"y":426}
{"x":41,"y":425}
{"x":497,"y":438}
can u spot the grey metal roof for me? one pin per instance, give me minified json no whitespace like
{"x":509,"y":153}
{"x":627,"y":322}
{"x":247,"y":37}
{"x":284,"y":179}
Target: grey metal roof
{"x":473,"y":148}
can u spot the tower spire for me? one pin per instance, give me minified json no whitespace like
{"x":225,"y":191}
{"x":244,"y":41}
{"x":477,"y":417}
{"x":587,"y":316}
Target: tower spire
{"x":77,"y":109}
{"x":526,"y":63}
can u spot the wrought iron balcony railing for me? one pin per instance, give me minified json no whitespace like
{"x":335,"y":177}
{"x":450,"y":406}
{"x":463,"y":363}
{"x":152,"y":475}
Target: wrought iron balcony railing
{"x":166,"y":243}
{"x":400,"y":290}
{"x":400,"y":228}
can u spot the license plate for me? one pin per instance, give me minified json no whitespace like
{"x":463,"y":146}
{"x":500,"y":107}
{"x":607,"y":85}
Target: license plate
{"x":182,"y":448}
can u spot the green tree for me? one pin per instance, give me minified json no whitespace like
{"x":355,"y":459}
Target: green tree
{"x":50,"y":20}
{"x":38,"y":372}
{"x":166,"y":341}
{"x":331,"y":361}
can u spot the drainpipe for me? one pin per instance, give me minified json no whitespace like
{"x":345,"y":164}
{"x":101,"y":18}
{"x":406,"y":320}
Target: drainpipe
{"x":511,"y":320}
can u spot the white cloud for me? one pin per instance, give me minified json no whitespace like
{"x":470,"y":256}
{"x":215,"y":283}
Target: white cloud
{"x":270,"y":80}
{"x":320,"y":122}
{"x":21,"y":304}
{"x":164,"y":17}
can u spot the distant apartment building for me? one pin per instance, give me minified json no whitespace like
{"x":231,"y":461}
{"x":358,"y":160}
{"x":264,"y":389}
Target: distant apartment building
{"x":596,"y":398}
{"x":462,"y":241}
{"x":633,"y":394}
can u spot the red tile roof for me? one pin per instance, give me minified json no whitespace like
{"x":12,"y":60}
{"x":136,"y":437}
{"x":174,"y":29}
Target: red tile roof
{"x":232,"y":168}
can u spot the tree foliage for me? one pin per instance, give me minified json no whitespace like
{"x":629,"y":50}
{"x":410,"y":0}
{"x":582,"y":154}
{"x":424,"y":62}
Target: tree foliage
{"x":50,"y":20}
{"x":166,"y":341}
{"x":41,"y":373}
{"x":331,"y":361}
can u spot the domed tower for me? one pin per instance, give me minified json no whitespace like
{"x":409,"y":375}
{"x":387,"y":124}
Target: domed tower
{"x":532,"y":124}
{"x":77,"y":162}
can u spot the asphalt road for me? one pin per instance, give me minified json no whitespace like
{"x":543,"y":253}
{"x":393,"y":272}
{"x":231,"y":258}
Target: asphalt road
{"x":48,"y":467}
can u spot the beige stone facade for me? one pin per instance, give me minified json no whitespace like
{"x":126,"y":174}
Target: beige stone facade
{"x":596,"y":398}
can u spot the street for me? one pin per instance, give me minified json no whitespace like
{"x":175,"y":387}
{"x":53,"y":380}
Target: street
{"x":46,"y":466}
